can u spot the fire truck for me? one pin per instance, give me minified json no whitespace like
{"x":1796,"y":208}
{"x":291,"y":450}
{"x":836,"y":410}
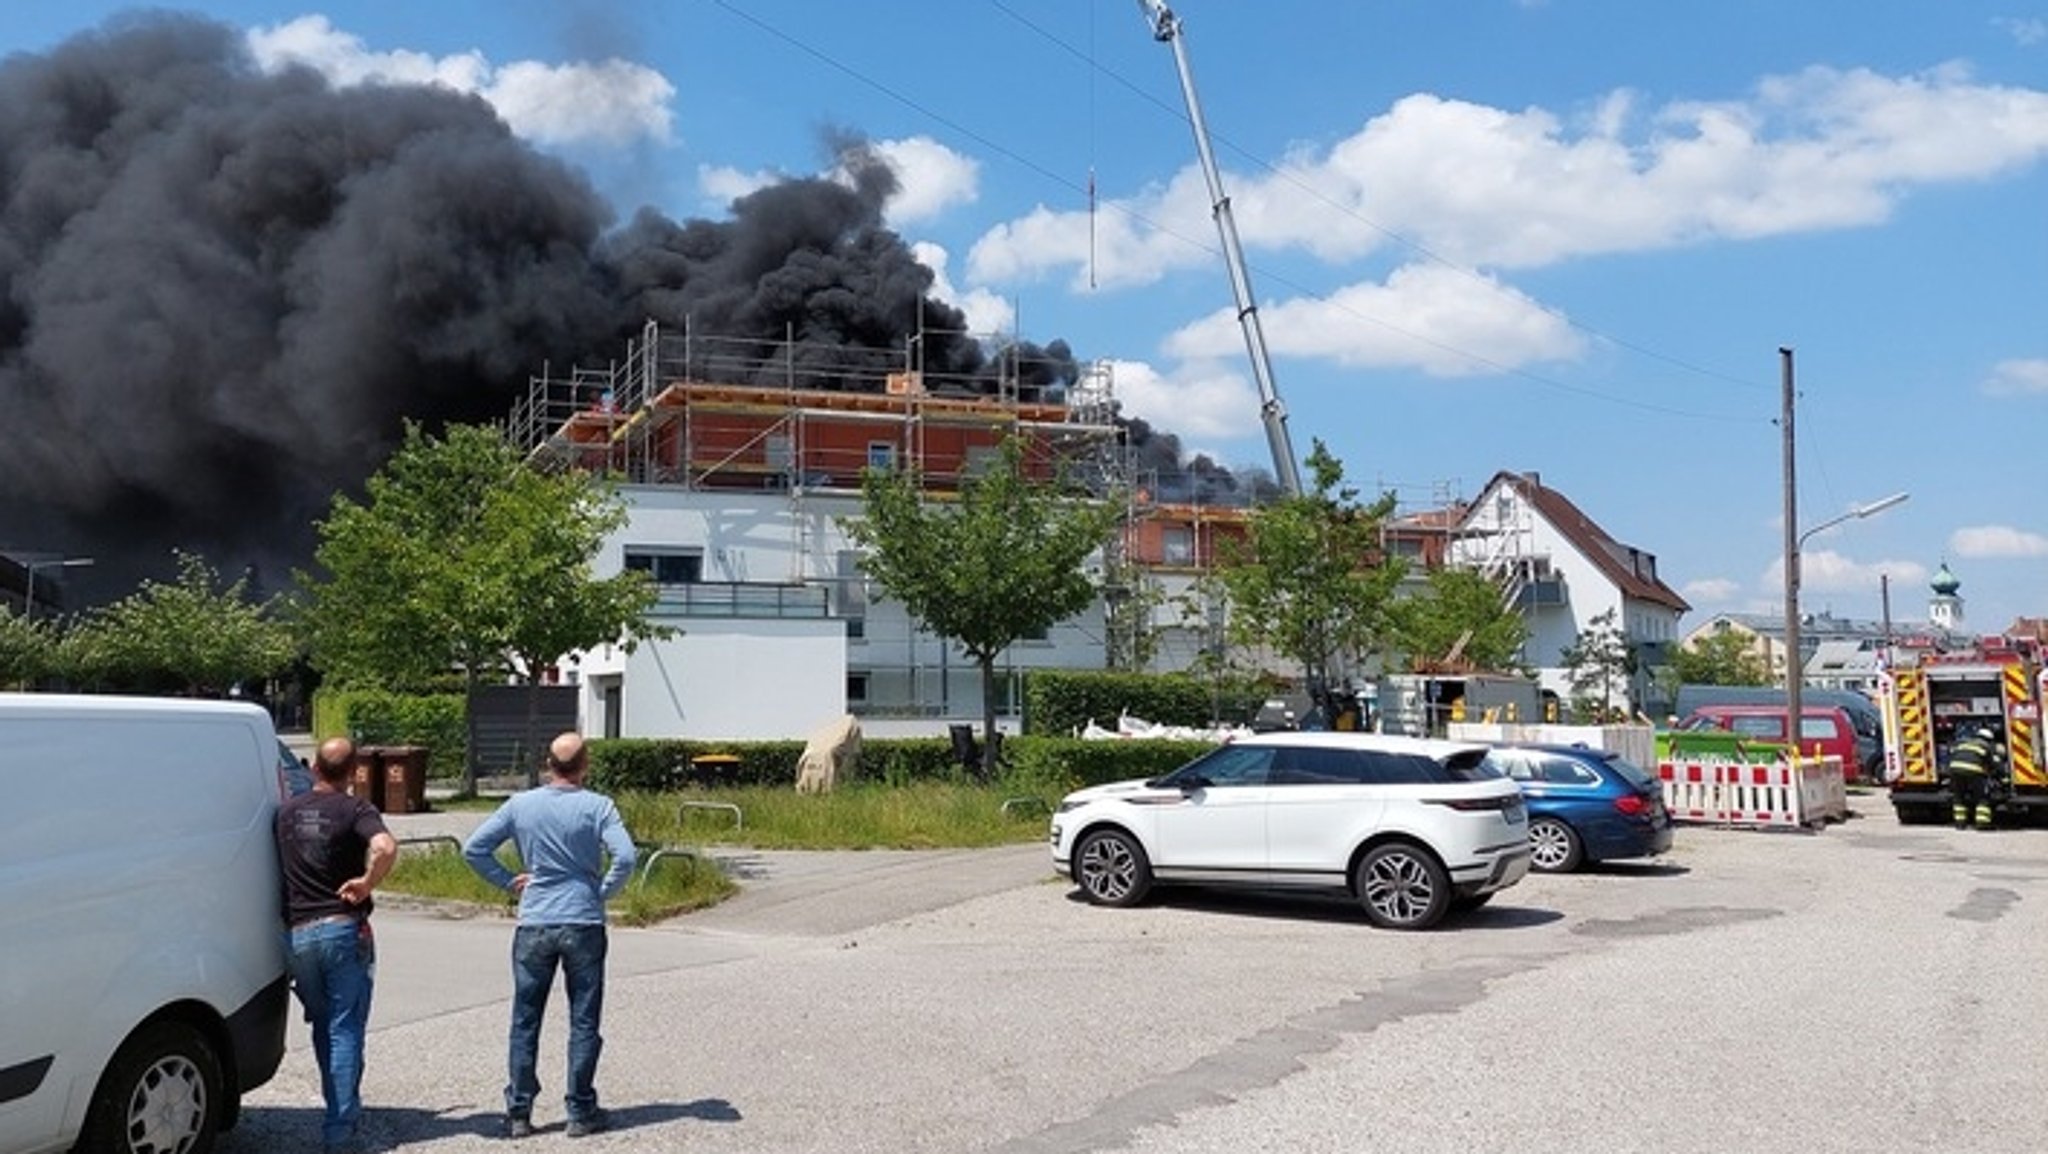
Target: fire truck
{"x":1931,"y":698}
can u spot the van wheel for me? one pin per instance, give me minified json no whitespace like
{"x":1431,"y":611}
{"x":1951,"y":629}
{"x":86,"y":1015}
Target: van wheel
{"x":161,"y":1094}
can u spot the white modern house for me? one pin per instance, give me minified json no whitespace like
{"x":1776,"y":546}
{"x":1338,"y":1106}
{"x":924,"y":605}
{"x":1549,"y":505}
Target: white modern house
{"x":1563,"y":571}
{"x":777,"y":633}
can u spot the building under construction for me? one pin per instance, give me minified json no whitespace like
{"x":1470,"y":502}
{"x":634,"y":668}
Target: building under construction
{"x":739,"y":458}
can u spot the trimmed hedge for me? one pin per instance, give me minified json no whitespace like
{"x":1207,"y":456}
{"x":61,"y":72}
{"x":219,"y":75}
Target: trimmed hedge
{"x":1061,"y":701}
{"x":437,"y":721}
{"x":1040,"y":766}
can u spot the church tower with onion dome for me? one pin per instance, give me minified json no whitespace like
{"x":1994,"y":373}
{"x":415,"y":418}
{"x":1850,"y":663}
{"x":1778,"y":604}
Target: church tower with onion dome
{"x":1945,"y":610}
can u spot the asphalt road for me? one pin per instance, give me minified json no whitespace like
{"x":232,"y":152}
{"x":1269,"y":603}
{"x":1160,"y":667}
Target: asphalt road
{"x":1870,"y":988}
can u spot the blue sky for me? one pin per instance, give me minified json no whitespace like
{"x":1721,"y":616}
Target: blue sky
{"x":1566,"y":236}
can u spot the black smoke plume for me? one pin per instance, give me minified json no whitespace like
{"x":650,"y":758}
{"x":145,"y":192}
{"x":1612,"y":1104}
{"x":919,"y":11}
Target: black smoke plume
{"x":225,"y":290}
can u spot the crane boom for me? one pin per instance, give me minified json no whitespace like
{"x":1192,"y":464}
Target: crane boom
{"x":1166,"y":28}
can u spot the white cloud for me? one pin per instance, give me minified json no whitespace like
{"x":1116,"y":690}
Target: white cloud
{"x":1202,"y":399}
{"x":608,"y":101}
{"x":2026,"y":31}
{"x":987,"y":312}
{"x":723,"y":185}
{"x":1424,"y":315}
{"x":1487,"y":187}
{"x":1997,"y":541}
{"x":1826,"y":571}
{"x":930,"y":178}
{"x":1711,"y":590}
{"x":2018,"y":378}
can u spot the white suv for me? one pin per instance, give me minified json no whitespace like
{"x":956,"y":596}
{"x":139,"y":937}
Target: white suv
{"x":1412,"y":827}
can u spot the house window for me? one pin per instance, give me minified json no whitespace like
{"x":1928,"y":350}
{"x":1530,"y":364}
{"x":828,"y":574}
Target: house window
{"x":667,"y":566}
{"x":1177,"y":546}
{"x":856,"y":688}
{"x":853,"y":593}
{"x":980,"y":458}
{"x":882,"y":456}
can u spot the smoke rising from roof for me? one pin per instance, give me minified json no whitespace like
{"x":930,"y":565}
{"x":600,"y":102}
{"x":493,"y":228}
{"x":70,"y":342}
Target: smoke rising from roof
{"x":225,"y":290}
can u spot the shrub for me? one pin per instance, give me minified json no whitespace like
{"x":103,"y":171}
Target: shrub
{"x":1039,"y":766}
{"x":437,"y":721}
{"x":1061,"y":701}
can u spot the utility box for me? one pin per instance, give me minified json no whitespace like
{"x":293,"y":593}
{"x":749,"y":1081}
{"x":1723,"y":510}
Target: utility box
{"x":405,"y":778}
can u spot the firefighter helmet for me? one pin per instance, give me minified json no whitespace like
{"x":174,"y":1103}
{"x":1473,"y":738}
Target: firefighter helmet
{"x":1987,"y":734}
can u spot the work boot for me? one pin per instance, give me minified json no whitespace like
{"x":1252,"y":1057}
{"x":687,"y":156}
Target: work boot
{"x":518,"y":1126}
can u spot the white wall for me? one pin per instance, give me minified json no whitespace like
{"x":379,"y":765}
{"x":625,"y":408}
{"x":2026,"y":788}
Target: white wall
{"x":777,"y":538}
{"x":725,"y":679}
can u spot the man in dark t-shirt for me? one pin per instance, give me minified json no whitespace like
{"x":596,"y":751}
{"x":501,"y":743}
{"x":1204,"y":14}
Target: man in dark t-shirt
{"x":333,"y":850}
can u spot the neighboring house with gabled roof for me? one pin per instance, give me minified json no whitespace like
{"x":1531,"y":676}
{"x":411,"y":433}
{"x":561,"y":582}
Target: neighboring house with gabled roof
{"x":1561,"y":570}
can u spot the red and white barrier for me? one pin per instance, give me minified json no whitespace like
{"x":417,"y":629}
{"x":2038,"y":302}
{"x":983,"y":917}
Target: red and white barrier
{"x":1766,"y":794}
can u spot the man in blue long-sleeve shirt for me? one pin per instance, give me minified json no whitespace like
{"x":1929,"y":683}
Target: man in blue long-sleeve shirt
{"x":563,"y":833}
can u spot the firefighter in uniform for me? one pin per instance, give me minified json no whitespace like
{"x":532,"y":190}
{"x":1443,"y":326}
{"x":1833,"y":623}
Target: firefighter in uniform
{"x":1969,"y":777}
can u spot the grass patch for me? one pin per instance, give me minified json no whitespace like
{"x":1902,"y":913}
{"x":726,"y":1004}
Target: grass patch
{"x":676,"y":885}
{"x":865,"y":815}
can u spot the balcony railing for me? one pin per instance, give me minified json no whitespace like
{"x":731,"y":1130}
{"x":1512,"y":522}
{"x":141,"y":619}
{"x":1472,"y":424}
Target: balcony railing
{"x":741,"y":599}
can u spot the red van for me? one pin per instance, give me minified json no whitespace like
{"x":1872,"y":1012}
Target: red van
{"x":1826,"y":730}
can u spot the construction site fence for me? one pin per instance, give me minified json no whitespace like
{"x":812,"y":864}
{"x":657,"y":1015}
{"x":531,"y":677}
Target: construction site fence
{"x":1785,"y":793}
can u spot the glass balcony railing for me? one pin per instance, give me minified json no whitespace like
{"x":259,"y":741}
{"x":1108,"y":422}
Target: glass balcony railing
{"x":741,"y":599}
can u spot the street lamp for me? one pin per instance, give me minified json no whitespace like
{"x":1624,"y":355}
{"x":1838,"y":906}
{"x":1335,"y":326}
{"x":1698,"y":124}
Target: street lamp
{"x":1794,"y":672}
{"x":28,"y":609}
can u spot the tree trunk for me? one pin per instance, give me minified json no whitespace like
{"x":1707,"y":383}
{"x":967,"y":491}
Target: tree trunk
{"x":528,"y":742}
{"x":988,"y":717}
{"x":469,"y":766}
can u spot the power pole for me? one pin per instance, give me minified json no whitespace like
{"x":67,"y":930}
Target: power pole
{"x":1794,"y":674}
{"x":1884,"y":589}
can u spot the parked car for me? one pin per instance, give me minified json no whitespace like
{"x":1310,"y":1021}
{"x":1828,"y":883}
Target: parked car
{"x":1585,"y":805}
{"x":1863,"y":712}
{"x":1411,"y":827}
{"x":1826,"y":728}
{"x":293,"y":772}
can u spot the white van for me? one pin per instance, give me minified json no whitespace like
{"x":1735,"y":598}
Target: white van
{"x":142,"y":982}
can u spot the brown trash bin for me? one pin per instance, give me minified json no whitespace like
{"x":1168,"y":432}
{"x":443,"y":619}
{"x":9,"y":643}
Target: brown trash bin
{"x":405,"y":778}
{"x":366,"y":780}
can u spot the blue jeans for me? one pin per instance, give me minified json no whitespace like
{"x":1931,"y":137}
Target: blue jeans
{"x":536,"y":951}
{"x":333,"y":965}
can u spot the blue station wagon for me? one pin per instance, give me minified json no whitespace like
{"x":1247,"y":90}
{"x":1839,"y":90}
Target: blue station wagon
{"x":1585,"y":805}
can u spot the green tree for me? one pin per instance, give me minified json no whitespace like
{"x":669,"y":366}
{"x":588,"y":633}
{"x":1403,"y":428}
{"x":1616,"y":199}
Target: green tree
{"x":1131,"y":599}
{"x":28,"y":649}
{"x":190,"y":635}
{"x":1726,"y":658}
{"x":1596,"y":660}
{"x":1460,"y":612}
{"x":462,"y":557}
{"x":1002,"y":562}
{"x":1309,"y":580}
